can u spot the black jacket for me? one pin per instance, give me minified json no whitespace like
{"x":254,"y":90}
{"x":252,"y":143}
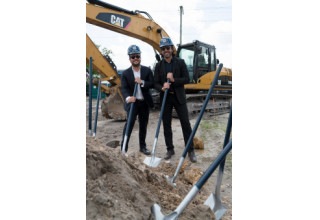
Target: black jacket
{"x":127,"y":85}
{"x":180,"y":75}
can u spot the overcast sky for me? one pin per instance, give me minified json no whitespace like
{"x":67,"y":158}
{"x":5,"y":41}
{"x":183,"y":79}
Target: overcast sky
{"x":205,"y":20}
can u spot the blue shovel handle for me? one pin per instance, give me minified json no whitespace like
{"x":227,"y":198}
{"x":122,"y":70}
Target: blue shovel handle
{"x":214,"y":165}
{"x":90,"y":96}
{"x":162,"y":109}
{"x":190,"y":140}
{"x":131,"y":109}
{"x":97,"y":108}
{"x":226,"y":138}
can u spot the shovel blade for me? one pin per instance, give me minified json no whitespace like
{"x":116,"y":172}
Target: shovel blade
{"x":152,"y":162}
{"x":170,"y":180}
{"x":220,"y":212}
{"x":156,"y":211}
{"x":210,"y":201}
{"x":216,"y":206}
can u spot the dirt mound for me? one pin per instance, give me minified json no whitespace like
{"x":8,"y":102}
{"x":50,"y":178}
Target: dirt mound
{"x":120,"y":187}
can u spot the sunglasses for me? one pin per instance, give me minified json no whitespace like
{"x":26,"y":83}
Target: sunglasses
{"x":165,"y":48}
{"x":135,"y":56}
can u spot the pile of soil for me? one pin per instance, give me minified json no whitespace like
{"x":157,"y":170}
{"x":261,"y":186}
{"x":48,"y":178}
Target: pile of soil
{"x":120,"y":187}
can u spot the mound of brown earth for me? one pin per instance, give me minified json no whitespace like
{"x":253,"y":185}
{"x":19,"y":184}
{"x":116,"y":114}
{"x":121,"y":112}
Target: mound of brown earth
{"x":120,"y":187}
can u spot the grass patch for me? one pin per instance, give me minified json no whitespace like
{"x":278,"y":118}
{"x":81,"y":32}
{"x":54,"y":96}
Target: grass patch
{"x":207,"y":125}
{"x":206,"y":128}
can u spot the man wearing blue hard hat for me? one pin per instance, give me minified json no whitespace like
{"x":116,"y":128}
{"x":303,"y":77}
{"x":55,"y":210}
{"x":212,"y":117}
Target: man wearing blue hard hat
{"x":175,"y":69}
{"x":143,"y":100}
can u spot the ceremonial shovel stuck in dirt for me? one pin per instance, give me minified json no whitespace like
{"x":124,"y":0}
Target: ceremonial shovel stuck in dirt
{"x":90,"y":96}
{"x":190,"y":140}
{"x":214,"y":200}
{"x":156,"y":209}
{"x":97,"y":109}
{"x":125,"y":140}
{"x":154,"y":161}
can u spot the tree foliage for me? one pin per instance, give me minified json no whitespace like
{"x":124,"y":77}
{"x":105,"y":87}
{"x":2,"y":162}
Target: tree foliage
{"x":105,"y":52}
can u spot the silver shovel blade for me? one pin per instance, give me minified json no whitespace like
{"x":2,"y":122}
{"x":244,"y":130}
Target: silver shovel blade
{"x":152,"y":162}
{"x":171,"y":181}
{"x":156,"y":211}
{"x":216,"y":206}
{"x":220,"y":212}
{"x":210,"y":201}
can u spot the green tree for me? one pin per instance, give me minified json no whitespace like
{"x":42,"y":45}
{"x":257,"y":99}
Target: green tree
{"x":105,"y":52}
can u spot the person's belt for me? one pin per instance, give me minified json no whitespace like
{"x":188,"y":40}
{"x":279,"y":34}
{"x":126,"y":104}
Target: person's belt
{"x":139,"y":100}
{"x":171,"y":93}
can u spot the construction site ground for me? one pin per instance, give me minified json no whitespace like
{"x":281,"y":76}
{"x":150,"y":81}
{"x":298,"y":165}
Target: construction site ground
{"x":119,"y":187}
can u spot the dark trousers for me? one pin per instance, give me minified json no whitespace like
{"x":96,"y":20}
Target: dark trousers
{"x":141,"y":109}
{"x":183,"y":115}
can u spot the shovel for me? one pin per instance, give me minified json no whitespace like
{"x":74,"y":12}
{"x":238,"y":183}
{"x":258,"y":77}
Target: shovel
{"x":154,"y":161}
{"x":190,"y":140}
{"x":97,"y":109}
{"x":125,"y":140}
{"x":156,"y":209}
{"x":214,"y":200}
{"x":90,"y":96}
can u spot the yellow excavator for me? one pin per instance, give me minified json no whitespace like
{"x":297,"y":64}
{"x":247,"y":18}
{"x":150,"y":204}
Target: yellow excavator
{"x":200,"y":59}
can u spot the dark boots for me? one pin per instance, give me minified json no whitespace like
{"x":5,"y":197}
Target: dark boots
{"x":145,"y":151}
{"x":169,"y":154}
{"x":192,"y":157}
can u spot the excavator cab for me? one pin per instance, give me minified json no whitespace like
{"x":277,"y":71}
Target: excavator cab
{"x":199,"y":57}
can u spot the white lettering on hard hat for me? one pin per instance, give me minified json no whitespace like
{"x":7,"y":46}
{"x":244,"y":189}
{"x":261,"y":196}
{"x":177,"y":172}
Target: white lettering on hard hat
{"x":117,"y":21}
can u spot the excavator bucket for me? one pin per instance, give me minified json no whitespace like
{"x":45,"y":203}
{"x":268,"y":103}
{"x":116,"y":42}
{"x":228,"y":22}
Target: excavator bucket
{"x":112,"y":106}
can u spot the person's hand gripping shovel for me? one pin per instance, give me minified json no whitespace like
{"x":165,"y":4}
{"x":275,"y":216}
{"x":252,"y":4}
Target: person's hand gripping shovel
{"x":154,"y":161}
{"x":214,"y":200}
{"x":125,"y":140}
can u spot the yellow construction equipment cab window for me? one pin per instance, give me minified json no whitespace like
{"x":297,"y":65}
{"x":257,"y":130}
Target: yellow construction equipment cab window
{"x":203,"y":58}
{"x":213,"y":64}
{"x":188,"y":55}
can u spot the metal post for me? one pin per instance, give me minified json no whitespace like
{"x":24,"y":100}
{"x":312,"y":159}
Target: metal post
{"x":181,"y":13}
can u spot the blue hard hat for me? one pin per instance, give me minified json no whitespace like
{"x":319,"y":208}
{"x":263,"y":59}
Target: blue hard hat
{"x":166,"y":41}
{"x":133,"y":49}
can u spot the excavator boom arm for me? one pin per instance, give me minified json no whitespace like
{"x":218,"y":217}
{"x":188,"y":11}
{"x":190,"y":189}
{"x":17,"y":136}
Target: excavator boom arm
{"x":133,"y":25}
